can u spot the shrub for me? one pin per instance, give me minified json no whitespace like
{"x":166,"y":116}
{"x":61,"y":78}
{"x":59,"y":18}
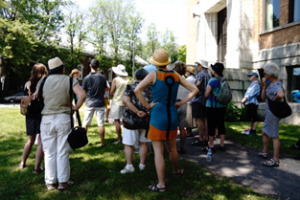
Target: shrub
{"x":234,"y":113}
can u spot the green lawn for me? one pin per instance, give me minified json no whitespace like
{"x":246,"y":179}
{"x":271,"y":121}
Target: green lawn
{"x":95,"y":170}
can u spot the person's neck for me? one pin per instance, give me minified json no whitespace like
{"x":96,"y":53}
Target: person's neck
{"x":93,"y":70}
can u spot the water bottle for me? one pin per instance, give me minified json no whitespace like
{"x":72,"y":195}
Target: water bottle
{"x":209,"y":154}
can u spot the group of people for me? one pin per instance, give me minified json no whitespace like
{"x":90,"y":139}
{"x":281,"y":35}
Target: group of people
{"x":175,"y":98}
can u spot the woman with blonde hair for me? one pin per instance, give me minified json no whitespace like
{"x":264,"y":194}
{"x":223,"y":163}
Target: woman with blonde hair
{"x":33,"y":121}
{"x":163,"y":114}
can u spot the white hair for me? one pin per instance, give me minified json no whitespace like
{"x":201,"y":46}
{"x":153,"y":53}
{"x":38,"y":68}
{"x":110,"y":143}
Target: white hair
{"x":271,"y":69}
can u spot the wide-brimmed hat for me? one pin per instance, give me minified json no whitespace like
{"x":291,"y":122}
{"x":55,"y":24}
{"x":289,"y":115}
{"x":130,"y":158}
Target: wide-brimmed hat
{"x":218,"y":68}
{"x":191,"y":70}
{"x":160,"y":58}
{"x":253,"y":74}
{"x":120,"y":70}
{"x":203,"y":63}
{"x":55,"y":64}
{"x":74,"y":71}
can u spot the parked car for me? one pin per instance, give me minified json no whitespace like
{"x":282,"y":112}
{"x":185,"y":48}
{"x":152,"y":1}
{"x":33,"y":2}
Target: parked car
{"x":14,"y":98}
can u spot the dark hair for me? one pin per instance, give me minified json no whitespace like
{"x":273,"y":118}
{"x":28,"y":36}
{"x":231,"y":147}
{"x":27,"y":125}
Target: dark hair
{"x":180,"y":68}
{"x":140,"y":74}
{"x":59,"y":71}
{"x":95,"y":63}
{"x":38,"y":71}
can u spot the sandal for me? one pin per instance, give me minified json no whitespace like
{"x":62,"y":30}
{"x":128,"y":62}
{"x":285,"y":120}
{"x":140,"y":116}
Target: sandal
{"x":180,"y":172}
{"x":39,"y":170}
{"x":63,"y":186}
{"x":271,"y":163}
{"x":154,"y":188}
{"x":181,"y":151}
{"x":263,"y":155}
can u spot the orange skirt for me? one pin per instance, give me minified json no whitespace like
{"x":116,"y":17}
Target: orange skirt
{"x":156,"y":134}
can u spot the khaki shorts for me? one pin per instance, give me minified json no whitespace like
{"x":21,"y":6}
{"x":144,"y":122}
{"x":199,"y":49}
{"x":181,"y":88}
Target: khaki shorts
{"x":89,"y":113}
{"x":130,"y":137}
{"x":116,"y":111}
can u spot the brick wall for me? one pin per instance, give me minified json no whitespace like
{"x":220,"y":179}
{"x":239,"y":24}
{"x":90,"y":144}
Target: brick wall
{"x":284,"y":12}
{"x":280,"y":37}
{"x":257,"y":19}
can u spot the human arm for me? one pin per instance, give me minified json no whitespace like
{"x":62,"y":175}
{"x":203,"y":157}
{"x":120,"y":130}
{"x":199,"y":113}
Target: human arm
{"x":264,"y":88}
{"x":149,"y":79}
{"x":207,"y":91}
{"x":112,"y":88}
{"x":131,"y":106}
{"x":80,"y":93}
{"x":191,"y":87}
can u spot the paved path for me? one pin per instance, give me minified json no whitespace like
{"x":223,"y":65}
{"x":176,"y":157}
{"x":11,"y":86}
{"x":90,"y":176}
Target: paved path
{"x":242,"y":165}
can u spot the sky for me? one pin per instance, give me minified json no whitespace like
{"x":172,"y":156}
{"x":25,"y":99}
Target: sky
{"x":165,"y":14}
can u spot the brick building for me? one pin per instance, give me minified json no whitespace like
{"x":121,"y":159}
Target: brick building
{"x":245,"y":35}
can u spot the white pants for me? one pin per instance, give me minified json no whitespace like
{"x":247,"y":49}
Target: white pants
{"x":54,"y":133}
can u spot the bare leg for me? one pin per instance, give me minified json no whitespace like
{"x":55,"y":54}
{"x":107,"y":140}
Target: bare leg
{"x":182,"y":138}
{"x":118,"y":130}
{"x":86,"y":128}
{"x":265,"y":142}
{"x":188,"y":131}
{"x":102,"y":135}
{"x":143,"y":150}
{"x":200,"y":129}
{"x":173,"y":155}
{"x":39,"y":154}
{"x":128,"y":154}
{"x":159,"y":162}
{"x":211,"y":141}
{"x":253,"y":125}
{"x":27,"y":149}
{"x":276,"y":146}
{"x":222,"y":140}
{"x":107,"y":114}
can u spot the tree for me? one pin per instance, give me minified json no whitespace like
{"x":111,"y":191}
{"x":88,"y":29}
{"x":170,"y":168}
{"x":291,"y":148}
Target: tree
{"x":182,"y":53}
{"x":169,"y":44}
{"x":113,"y":20}
{"x":76,"y":31}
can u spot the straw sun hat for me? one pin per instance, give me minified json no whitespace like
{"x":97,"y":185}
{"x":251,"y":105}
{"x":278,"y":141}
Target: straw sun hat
{"x":160,"y":58}
{"x":74,"y":71}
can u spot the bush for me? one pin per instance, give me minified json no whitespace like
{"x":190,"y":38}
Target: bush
{"x":234,"y":113}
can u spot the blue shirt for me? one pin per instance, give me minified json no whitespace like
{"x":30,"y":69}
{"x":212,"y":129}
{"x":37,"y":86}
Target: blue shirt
{"x":252,"y":92}
{"x":203,"y":77}
{"x":150,"y":68}
{"x":215,"y":84}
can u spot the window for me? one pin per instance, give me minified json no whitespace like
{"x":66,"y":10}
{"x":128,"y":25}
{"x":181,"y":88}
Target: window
{"x":293,"y":83}
{"x":272,"y":14}
{"x":222,"y":35}
{"x":294,"y":10}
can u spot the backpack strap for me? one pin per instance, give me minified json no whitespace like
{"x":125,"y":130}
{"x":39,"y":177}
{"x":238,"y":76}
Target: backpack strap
{"x":40,"y":94}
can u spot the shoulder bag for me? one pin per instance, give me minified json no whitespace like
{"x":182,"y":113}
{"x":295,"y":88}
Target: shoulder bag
{"x":77,"y":137}
{"x":280,"y":109}
{"x":25,"y":100}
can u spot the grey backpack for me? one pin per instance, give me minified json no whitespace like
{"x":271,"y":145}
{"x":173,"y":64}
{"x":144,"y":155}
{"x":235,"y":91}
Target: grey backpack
{"x":224,"y":95}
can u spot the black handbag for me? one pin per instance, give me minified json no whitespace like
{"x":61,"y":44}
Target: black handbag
{"x":77,"y":137}
{"x":280,"y":109}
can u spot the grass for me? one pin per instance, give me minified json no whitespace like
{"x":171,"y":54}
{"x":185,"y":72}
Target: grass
{"x":289,"y":135}
{"x":96,"y":171}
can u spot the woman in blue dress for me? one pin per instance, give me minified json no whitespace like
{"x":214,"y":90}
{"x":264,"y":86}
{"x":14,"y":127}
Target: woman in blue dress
{"x":163,"y":117}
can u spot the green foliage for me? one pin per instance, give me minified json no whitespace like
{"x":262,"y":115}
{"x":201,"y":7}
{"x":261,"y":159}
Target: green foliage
{"x":234,"y":113}
{"x":182,"y":53}
{"x":96,"y":171}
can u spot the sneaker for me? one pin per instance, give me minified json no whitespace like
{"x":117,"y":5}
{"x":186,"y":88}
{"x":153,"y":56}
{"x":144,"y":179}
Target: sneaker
{"x":142,"y":167}
{"x":252,"y":133}
{"x":246,"y":131}
{"x":127,"y":170}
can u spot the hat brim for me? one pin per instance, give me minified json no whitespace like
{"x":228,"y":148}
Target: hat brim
{"x":249,"y":75}
{"x":205,"y":66}
{"x":78,"y":72}
{"x":116,"y":71}
{"x":152,"y":61}
{"x":213,"y":68}
{"x":56,"y":69}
